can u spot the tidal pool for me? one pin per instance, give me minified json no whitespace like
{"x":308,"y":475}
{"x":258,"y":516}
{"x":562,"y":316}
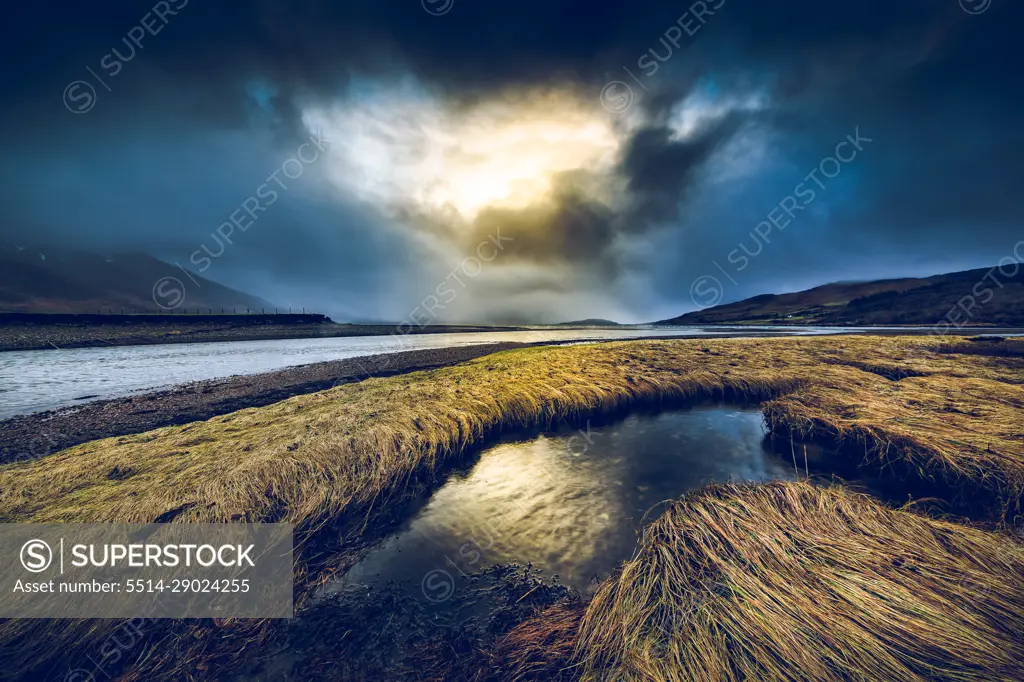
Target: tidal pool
{"x":571,"y":502}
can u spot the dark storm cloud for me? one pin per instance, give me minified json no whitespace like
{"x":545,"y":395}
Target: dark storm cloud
{"x":170,"y":148}
{"x":311,"y":47}
{"x":661,"y":171}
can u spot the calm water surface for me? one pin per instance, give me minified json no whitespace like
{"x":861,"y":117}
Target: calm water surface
{"x":570,"y":502}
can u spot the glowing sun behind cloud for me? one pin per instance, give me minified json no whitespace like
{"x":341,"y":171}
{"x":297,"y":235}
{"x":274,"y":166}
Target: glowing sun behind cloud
{"x":403,"y":149}
{"x":550,"y":170}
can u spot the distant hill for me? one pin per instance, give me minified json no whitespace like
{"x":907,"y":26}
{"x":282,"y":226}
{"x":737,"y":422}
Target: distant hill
{"x":588,"y":323}
{"x":990,"y":297}
{"x":61,"y":280}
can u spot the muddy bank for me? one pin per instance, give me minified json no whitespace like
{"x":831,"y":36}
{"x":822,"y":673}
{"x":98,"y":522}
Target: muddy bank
{"x":384,"y":633}
{"x":37,"y":435}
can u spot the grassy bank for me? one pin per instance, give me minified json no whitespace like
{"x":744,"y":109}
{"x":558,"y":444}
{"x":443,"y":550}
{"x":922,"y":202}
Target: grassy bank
{"x":788,"y":581}
{"x":349,"y":450}
{"x":948,"y":416}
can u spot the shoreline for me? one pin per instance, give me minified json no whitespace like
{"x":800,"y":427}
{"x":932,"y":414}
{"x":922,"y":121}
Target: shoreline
{"x":893,"y":400}
{"x":138,"y":331}
{"x":25,"y":337}
{"x":39,"y":434}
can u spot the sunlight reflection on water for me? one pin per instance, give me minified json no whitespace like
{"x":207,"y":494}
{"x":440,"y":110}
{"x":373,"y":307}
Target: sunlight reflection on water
{"x":570,"y":502}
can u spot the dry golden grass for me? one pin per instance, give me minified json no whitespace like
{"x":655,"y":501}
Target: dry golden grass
{"x":541,"y":648}
{"x":343,"y":456}
{"x":353,"y":449}
{"x":788,"y":581}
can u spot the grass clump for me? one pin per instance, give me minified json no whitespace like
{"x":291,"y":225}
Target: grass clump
{"x":789,"y":581}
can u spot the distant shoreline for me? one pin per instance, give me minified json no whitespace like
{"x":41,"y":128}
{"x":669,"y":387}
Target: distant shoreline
{"x":20,"y":331}
{"x":48,"y":332}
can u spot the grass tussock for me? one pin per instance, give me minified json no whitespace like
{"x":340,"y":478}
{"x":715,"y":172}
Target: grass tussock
{"x":353,"y":450}
{"x":540,"y":648}
{"x":788,"y":581}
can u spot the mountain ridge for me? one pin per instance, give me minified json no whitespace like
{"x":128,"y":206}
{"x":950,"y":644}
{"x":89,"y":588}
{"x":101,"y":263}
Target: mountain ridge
{"x":63,"y":280}
{"x":983,"y":296}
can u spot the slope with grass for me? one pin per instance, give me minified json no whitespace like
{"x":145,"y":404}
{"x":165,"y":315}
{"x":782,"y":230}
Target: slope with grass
{"x":50,"y":279}
{"x":988,"y":296}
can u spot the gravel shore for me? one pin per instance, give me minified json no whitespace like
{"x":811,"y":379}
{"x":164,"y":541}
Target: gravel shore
{"x":36,"y":435}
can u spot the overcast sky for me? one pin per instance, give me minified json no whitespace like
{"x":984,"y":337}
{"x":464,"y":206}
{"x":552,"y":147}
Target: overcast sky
{"x":544,"y":161}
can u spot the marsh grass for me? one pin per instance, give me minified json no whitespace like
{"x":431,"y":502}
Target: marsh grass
{"x":790,"y":581}
{"x":341,"y":461}
{"x":352,"y":449}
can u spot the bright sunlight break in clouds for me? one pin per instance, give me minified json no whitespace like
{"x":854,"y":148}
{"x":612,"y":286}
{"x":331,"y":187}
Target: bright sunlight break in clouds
{"x":403,"y":148}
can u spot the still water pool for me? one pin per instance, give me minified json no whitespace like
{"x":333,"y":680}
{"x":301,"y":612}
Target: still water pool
{"x":571,"y":502}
